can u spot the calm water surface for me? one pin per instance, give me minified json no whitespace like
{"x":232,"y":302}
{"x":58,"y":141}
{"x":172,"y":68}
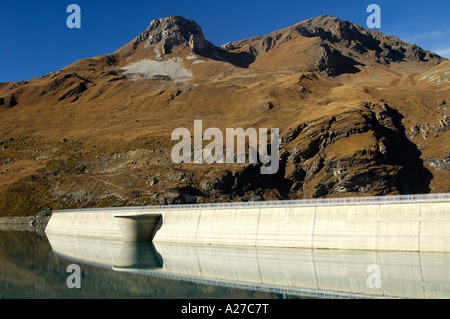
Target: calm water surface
{"x":29,"y":268}
{"x":34,"y":265}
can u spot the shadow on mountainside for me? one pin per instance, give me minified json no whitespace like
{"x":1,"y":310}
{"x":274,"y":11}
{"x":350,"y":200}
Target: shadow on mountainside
{"x":414,"y":177}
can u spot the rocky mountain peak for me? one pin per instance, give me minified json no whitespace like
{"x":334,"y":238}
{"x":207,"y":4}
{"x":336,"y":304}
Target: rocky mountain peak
{"x":384,"y":49}
{"x":172,"y":31}
{"x":337,"y":46}
{"x":330,"y":27}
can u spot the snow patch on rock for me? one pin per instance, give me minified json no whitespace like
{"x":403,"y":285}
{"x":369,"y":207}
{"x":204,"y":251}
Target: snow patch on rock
{"x":148,"y":68}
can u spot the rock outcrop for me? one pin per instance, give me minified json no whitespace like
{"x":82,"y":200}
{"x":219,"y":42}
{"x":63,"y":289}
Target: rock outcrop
{"x":173,"y":31}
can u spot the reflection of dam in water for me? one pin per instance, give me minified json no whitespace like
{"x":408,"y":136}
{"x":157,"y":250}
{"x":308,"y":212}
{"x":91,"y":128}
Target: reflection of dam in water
{"x":315,"y":273}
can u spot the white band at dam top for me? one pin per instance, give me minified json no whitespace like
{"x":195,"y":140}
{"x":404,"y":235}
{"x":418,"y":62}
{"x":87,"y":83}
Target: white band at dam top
{"x":423,"y":198}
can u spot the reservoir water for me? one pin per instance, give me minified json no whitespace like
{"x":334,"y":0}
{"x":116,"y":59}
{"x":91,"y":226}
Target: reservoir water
{"x":34,"y":265}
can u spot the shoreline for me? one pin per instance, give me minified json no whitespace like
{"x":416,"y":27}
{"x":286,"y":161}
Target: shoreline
{"x":30,"y":223}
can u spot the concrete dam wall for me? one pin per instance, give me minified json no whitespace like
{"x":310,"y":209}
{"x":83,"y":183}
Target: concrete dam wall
{"x":304,"y":272}
{"x":399,"y":223}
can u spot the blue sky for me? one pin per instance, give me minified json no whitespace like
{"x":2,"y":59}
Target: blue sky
{"x":35,"y":39}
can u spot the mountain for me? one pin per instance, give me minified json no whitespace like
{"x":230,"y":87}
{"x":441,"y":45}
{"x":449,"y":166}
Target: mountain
{"x":359,"y":113}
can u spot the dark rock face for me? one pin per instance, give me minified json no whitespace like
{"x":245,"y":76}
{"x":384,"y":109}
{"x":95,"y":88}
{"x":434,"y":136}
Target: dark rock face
{"x":78,"y":89}
{"x":331,"y":62}
{"x":392,"y":165}
{"x":11,"y":102}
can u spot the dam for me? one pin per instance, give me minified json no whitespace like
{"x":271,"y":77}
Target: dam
{"x":408,"y":223}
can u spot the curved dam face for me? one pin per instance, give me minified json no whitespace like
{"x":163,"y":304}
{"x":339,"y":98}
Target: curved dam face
{"x":399,"y":223}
